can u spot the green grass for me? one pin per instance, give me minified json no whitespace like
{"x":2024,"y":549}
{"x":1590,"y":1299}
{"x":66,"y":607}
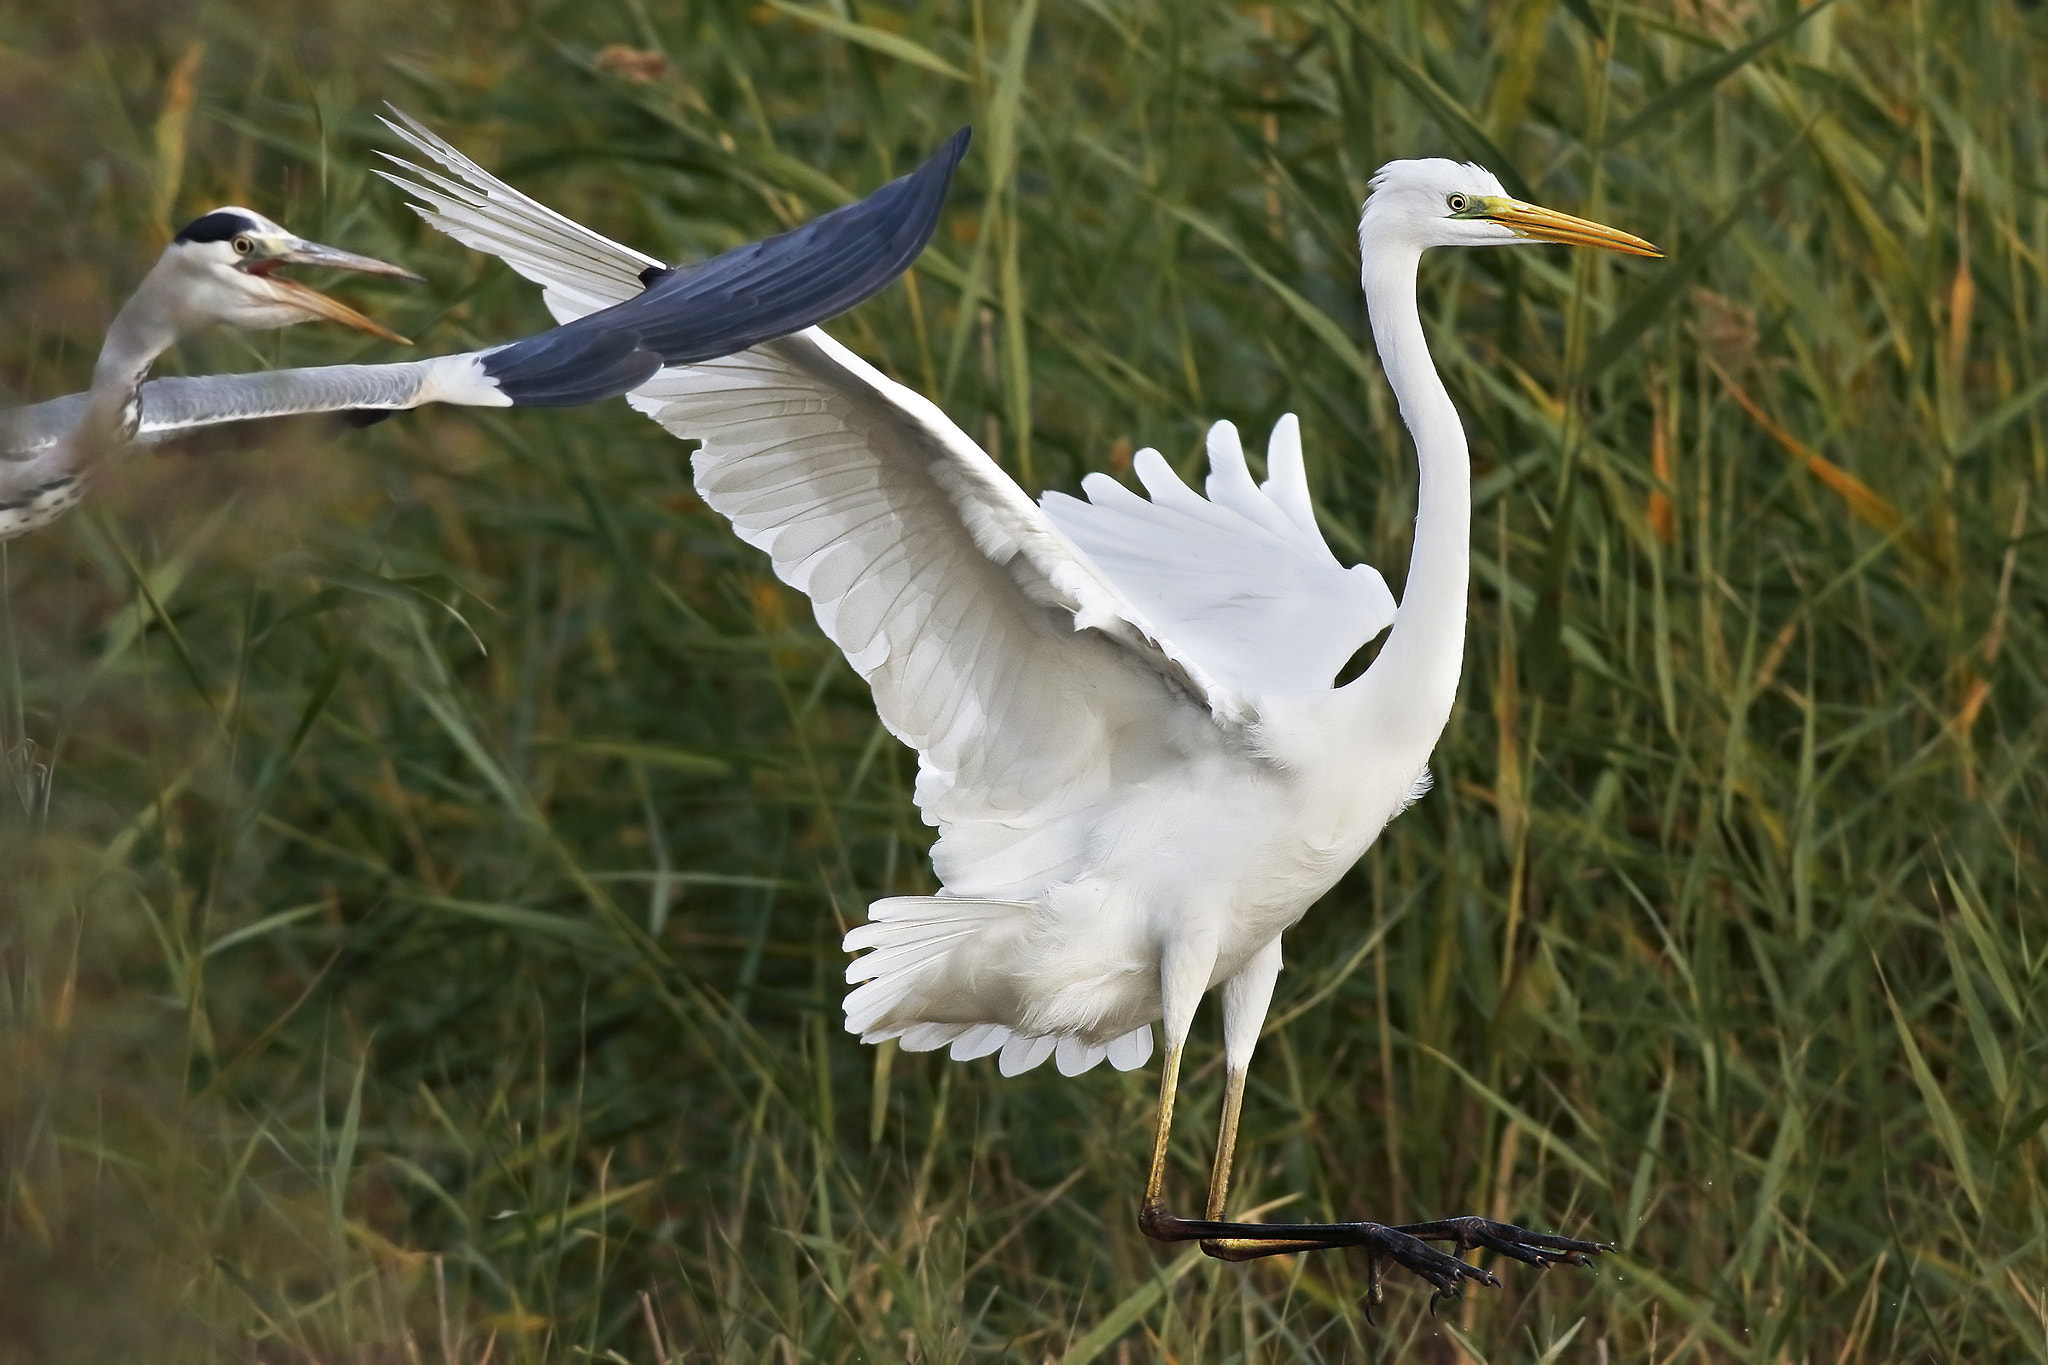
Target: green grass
{"x":425,"y":850}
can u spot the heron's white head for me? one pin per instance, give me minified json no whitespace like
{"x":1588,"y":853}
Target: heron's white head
{"x":1415,"y":205}
{"x":220,"y":268}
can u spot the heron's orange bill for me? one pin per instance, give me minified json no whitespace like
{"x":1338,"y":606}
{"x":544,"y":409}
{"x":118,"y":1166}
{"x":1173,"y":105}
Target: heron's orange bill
{"x":1549,"y":225}
{"x":317,"y":304}
{"x":302,"y":252}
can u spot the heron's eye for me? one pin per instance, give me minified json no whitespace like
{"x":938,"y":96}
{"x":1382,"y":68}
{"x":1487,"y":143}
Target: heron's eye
{"x":243,"y":246}
{"x":1458,"y":203}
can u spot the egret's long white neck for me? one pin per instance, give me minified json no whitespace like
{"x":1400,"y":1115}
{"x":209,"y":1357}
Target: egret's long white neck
{"x":1411,"y":685}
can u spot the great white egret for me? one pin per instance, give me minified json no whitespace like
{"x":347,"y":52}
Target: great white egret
{"x":217,"y":271}
{"x":1124,"y":710}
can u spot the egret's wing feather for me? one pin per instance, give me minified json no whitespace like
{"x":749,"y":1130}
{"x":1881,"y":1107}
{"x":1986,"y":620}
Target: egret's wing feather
{"x":579,"y":271}
{"x":993,"y":649}
{"x":1241,"y":582}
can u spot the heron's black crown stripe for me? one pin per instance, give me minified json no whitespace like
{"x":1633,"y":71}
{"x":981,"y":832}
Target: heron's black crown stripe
{"x":218,"y":226}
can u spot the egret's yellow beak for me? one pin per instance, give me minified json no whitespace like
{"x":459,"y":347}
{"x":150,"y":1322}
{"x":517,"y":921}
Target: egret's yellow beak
{"x":1548,"y":225}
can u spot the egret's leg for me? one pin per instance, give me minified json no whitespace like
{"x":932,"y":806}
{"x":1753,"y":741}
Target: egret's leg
{"x":1246,"y":998}
{"x":1226,"y":1140}
{"x":1155,"y":1184}
{"x":1239,"y":1248}
{"x":1184,"y":970}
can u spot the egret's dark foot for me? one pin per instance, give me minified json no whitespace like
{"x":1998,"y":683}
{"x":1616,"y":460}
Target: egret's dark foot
{"x":1446,"y":1274}
{"x":1531,"y":1248}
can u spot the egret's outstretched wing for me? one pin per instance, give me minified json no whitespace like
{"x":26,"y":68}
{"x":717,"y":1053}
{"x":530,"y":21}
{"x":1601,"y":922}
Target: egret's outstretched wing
{"x":1241,"y":581}
{"x":995,"y":650}
{"x":999,"y":652}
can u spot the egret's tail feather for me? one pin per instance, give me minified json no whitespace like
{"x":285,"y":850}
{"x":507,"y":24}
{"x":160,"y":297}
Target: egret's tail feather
{"x":1075,"y":1056}
{"x":912,"y":941}
{"x":908,"y":957}
{"x":979,"y":1041}
{"x":1133,"y":1050}
{"x":929,"y":1037}
{"x":1020,"y":1054}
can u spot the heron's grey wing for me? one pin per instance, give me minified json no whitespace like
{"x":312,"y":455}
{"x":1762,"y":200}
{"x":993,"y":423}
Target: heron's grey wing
{"x":793,"y":280}
{"x":1240,"y":581}
{"x":550,"y":369}
{"x":27,"y":432}
{"x":171,"y":407}
{"x":993,"y":648}
{"x":690,"y":313}
{"x":39,"y":471}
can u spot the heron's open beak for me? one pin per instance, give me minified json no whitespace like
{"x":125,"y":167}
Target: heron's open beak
{"x":301,"y":252}
{"x":316,"y":304}
{"x":1548,"y":225}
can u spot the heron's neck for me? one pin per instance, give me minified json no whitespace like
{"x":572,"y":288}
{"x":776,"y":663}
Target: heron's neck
{"x":1411,"y":685}
{"x":147,"y":325}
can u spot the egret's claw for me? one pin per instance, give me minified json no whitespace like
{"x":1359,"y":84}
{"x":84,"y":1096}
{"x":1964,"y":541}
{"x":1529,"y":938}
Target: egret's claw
{"x":1530,"y":1248}
{"x":1408,"y":1247}
{"x":1446,"y":1274}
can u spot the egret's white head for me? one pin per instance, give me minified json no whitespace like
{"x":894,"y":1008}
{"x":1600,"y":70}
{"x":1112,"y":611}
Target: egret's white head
{"x":221,"y":268}
{"x":1436,"y":202}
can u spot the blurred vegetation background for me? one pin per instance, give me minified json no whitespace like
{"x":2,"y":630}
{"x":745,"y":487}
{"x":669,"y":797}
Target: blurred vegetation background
{"x":424,"y":851}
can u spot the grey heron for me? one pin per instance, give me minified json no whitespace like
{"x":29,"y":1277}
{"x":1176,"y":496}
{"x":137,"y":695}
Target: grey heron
{"x":219,"y":268}
{"x":671,"y":315}
{"x":1128,"y":728}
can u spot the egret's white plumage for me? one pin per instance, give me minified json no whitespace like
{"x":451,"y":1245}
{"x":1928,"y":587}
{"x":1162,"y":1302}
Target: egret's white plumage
{"x":1127,"y":731}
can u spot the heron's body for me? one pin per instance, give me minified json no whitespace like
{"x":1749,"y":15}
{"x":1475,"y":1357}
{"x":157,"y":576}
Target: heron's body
{"x":1125,"y":713}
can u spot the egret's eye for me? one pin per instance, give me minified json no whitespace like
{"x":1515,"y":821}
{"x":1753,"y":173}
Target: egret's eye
{"x":243,"y":246}
{"x":1458,"y":203}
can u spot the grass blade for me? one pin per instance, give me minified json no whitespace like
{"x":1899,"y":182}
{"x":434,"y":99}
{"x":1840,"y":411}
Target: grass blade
{"x":1947,"y":1129}
{"x":1695,"y":88}
{"x":881,"y":40}
{"x":1657,"y":299}
{"x":1462,"y":128}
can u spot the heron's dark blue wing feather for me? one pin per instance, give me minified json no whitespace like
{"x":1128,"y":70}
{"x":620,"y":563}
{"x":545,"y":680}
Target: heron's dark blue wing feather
{"x":569,"y":366}
{"x":742,"y":298}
